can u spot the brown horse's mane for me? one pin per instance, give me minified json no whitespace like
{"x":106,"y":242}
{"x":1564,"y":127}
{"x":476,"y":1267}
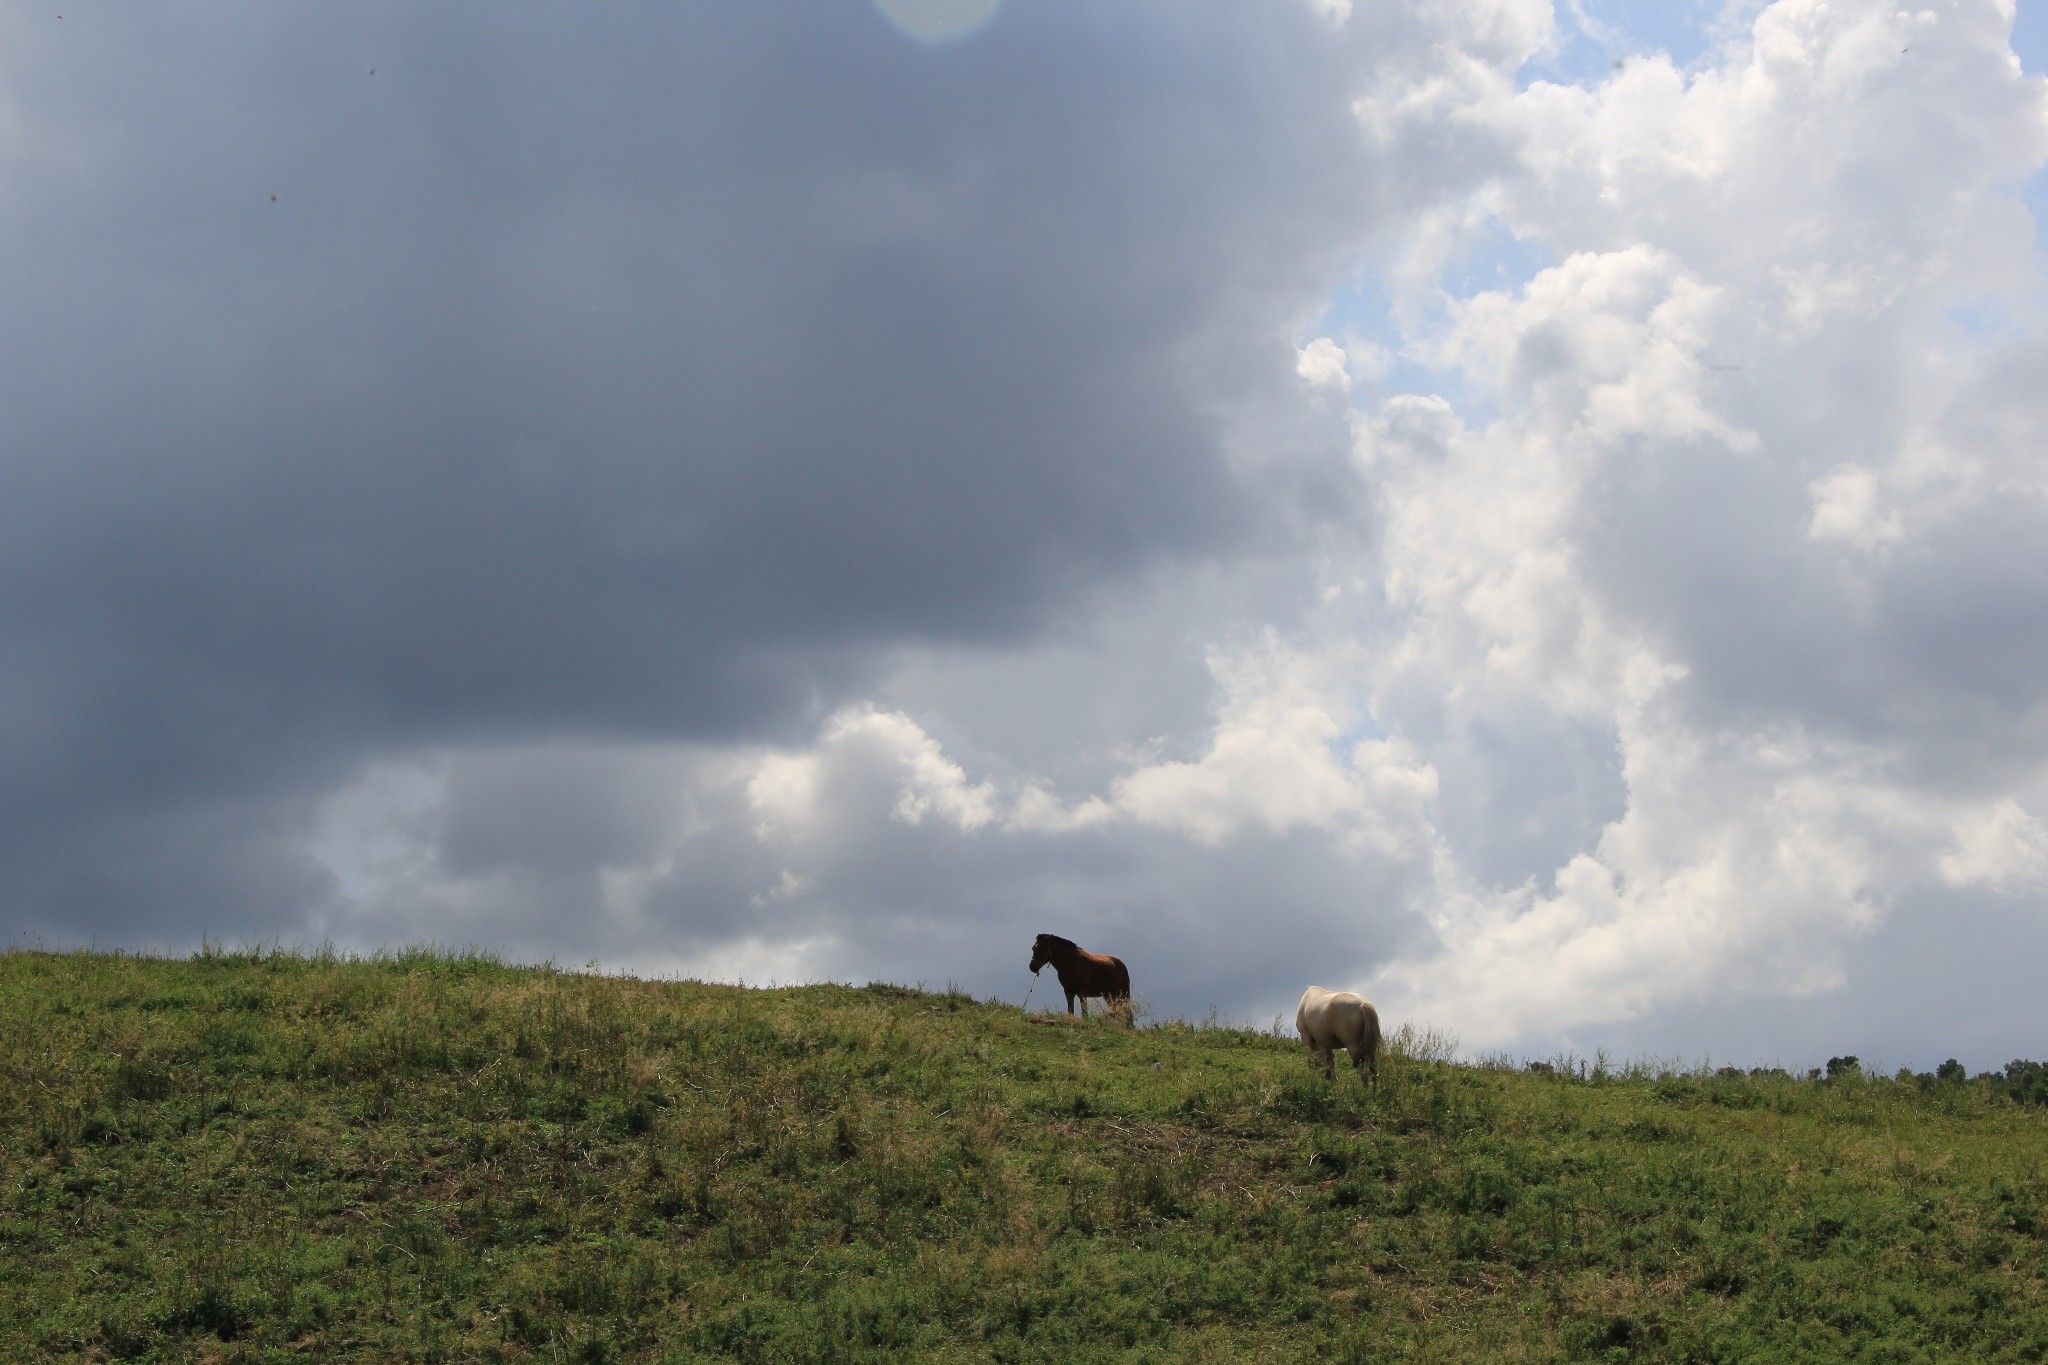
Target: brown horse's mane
{"x":1058,"y":942}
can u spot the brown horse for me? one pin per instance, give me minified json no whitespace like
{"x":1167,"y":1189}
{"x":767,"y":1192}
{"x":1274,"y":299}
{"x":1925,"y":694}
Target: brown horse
{"x":1083,"y":974}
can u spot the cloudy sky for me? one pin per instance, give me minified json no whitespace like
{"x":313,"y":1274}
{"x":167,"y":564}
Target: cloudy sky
{"x":1534,"y":512}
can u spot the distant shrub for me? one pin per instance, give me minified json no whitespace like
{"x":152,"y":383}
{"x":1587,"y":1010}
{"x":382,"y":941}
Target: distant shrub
{"x":1842,"y":1068}
{"x":1951,"y":1071}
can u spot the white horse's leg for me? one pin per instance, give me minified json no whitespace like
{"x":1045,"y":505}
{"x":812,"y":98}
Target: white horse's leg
{"x":1363,"y":1061}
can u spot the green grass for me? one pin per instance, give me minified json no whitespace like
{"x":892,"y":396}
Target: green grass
{"x":436,"y":1157}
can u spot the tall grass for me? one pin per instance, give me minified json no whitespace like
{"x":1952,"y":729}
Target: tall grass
{"x":435,"y":1156}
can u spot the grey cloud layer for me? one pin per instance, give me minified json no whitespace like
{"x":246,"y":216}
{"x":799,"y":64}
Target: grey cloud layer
{"x":597,"y":376}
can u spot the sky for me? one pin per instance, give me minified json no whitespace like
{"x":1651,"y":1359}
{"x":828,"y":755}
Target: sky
{"x":1531,"y":512}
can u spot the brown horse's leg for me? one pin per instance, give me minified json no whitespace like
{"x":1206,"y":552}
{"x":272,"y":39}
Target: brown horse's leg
{"x":1070,"y":1002}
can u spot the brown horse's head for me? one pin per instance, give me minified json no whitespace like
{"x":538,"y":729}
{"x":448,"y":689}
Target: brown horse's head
{"x":1045,"y":947}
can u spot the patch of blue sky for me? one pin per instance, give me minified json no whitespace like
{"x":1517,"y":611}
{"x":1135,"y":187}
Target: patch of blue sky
{"x":1495,"y":260}
{"x":2030,"y":45}
{"x":1594,"y":36}
{"x":1987,"y":319}
{"x":1363,"y":310}
{"x":1364,"y":728}
{"x":2030,"y":37}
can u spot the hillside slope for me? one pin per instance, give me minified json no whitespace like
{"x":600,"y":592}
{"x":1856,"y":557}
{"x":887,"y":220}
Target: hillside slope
{"x":437,"y":1157}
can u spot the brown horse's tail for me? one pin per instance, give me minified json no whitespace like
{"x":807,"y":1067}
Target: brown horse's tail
{"x":1120,"y":989}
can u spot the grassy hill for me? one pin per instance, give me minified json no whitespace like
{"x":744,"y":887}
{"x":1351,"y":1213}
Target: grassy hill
{"x":424,"y":1156}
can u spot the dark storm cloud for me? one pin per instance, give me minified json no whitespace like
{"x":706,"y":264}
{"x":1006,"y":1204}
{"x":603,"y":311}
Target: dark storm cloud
{"x":383,"y":378}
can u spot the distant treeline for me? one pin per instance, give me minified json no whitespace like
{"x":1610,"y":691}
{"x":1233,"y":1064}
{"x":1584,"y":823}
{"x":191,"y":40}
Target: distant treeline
{"x":2022,"y":1081}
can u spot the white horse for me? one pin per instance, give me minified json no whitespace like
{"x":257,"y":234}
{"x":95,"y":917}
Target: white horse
{"x":1328,"y":1020}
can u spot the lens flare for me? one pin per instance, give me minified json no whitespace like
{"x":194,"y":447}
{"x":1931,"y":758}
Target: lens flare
{"x":937,"y":21}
